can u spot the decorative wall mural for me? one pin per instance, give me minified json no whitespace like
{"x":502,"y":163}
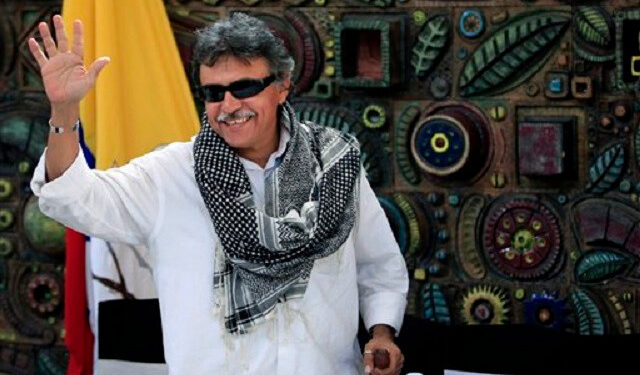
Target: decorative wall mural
{"x":503,"y":143}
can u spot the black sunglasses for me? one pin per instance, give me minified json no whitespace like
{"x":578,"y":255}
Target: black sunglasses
{"x":242,"y":89}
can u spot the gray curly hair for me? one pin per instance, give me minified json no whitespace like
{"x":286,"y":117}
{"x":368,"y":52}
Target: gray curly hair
{"x":244,"y":37}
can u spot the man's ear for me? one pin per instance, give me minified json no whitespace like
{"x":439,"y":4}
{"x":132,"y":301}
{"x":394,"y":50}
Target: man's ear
{"x":284,"y":88}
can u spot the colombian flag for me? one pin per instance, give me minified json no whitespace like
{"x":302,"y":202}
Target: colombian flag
{"x":141,"y":100}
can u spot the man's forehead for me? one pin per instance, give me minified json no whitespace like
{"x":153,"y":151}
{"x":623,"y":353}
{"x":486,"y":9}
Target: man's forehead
{"x":240,"y":62}
{"x":231,"y":68}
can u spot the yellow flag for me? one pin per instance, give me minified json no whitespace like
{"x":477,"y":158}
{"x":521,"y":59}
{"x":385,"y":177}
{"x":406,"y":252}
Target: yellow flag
{"x":141,"y":99}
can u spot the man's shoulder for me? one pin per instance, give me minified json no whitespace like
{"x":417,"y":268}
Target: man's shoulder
{"x":175,"y":148}
{"x":169,"y":155}
{"x":315,"y":127}
{"x":324,"y":130}
{"x":326,"y":135}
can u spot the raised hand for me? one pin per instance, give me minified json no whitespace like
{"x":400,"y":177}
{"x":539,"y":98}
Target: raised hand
{"x":65,"y":77}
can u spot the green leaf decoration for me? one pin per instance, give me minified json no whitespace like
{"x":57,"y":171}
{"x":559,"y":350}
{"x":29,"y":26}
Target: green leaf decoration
{"x":592,"y":25}
{"x":403,"y":159}
{"x":589,"y":56}
{"x":513,"y":53}
{"x":588,"y":316}
{"x":435,"y":305}
{"x":470,"y":257}
{"x":593,"y":34}
{"x":430,"y":45}
{"x":48,"y":363}
{"x":606,"y":170}
{"x":601,"y":265}
{"x":415,"y":236}
{"x":398,"y":222}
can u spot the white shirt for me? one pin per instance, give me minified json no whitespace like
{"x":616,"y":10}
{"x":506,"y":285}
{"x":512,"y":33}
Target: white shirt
{"x":154,"y":200}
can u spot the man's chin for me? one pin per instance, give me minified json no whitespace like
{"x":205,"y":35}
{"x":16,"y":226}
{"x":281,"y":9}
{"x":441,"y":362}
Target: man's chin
{"x":234,"y":141}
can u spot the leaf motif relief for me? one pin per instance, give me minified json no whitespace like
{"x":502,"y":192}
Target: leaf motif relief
{"x":588,"y":316}
{"x":513,"y":53}
{"x":606,"y":170}
{"x":430,"y":45}
{"x":403,"y":159}
{"x":601,"y":265}
{"x":470,"y":256}
{"x":435,"y":304}
{"x":593,"y":31}
{"x":592,"y":26}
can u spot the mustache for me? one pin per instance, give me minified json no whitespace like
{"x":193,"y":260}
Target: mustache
{"x":241,"y":113}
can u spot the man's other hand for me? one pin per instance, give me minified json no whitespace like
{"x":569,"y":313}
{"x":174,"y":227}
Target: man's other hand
{"x":382,"y":339}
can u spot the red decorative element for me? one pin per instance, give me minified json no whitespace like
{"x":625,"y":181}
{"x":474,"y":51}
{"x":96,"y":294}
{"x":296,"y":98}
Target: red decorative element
{"x":369,"y":57}
{"x":598,"y":220}
{"x":300,"y":39}
{"x":633,"y":242}
{"x":592,"y":221}
{"x":618,"y":227}
{"x":540,"y":149}
{"x":43,"y":294}
{"x":522,"y":238}
{"x":311,"y":50}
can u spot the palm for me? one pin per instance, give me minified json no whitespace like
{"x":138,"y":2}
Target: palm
{"x":65,"y":77}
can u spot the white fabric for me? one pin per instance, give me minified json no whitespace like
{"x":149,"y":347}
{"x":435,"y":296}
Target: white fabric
{"x":110,"y":366}
{"x":138,"y":276}
{"x":154,"y":200}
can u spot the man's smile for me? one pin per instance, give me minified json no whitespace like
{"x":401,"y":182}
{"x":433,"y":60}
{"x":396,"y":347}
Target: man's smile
{"x":237,"y":121}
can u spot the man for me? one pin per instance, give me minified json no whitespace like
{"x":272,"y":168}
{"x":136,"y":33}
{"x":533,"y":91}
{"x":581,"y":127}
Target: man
{"x":265,"y":237}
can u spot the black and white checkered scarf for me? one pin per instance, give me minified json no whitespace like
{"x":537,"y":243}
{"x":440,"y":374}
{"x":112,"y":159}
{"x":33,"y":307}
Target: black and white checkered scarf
{"x":310,"y":208}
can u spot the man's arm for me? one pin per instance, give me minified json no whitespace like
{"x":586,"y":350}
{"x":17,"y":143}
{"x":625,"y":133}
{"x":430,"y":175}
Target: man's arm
{"x":66,"y":81}
{"x":382,"y":274}
{"x":62,"y":148}
{"x":382,"y":280}
{"x":120,"y":204}
{"x":382,"y":330}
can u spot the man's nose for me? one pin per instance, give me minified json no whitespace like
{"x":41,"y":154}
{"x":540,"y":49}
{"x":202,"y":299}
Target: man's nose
{"x":230,"y":103}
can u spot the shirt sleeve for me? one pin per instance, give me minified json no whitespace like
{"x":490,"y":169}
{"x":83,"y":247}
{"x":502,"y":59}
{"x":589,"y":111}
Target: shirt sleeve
{"x":120,"y":204}
{"x":382,"y":273}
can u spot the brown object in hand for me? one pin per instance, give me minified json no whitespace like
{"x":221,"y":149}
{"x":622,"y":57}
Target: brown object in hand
{"x":381,"y":359}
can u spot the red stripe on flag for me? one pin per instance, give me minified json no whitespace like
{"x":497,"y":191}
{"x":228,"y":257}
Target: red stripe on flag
{"x":78,"y":335}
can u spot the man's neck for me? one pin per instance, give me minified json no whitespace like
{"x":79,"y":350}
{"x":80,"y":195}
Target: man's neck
{"x":261,"y":157}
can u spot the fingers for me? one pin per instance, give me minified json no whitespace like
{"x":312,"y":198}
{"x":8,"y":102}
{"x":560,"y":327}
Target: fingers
{"x":394,"y":368}
{"x":37,"y":53}
{"x":61,"y":36}
{"x":78,"y":39}
{"x":396,"y":359}
{"x":97,"y":66}
{"x":368,"y":360}
{"x":49,"y":44}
